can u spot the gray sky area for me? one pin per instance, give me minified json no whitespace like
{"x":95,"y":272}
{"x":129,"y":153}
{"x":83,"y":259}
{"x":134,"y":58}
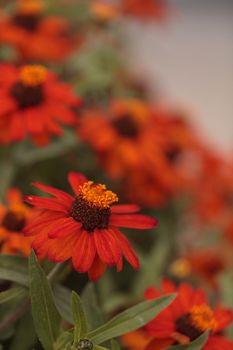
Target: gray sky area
{"x":191,"y":56}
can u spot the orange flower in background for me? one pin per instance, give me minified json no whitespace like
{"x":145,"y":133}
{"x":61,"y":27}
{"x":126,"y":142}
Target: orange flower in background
{"x":134,"y":136}
{"x":205,"y":264}
{"x":145,"y":9}
{"x":32,"y":33}
{"x":213,"y":190}
{"x":188,"y":316}
{"x":103,"y":11}
{"x":33,"y":103}
{"x":84,"y":227}
{"x":13,"y":218}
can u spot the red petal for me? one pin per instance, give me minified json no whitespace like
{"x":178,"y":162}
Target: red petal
{"x":107,"y":247}
{"x":97,"y":269}
{"x":159,"y":344}
{"x":65,"y":227}
{"x":125,"y":208}
{"x":126,"y":249}
{"x":61,"y":249}
{"x":63,"y":196}
{"x":76,"y":180}
{"x":133,"y":221}
{"x":46,"y":203}
{"x":84,"y":252}
{"x":224,"y":318}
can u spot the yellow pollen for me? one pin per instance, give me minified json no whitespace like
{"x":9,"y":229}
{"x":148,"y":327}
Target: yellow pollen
{"x":203,"y":317}
{"x":30,"y":7}
{"x":180,"y":268}
{"x":33,"y":75}
{"x":97,"y":195}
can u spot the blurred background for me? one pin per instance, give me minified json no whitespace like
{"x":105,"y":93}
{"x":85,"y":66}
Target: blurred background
{"x":191,"y":57}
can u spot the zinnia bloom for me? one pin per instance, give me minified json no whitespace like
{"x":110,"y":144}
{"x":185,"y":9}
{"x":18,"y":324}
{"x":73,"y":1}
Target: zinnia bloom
{"x":145,"y":9}
{"x":187,"y":318}
{"x":13,"y":218}
{"x":84,"y":226}
{"x":204,"y":264}
{"x":33,"y":103}
{"x":32,"y":33}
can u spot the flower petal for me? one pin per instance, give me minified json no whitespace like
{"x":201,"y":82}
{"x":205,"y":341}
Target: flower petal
{"x":65,"y":227}
{"x":84,"y":252}
{"x":97,"y":269}
{"x":76,"y":180}
{"x":125,"y":208}
{"x":133,"y":221}
{"x":63,"y":196}
{"x":126,"y":249}
{"x":107,"y":247}
{"x":46,"y":203}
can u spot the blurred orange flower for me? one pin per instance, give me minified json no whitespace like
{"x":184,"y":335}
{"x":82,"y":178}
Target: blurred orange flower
{"x":145,"y":9}
{"x":143,"y":145}
{"x":13,"y":217}
{"x":32,"y":33}
{"x":33,"y":103}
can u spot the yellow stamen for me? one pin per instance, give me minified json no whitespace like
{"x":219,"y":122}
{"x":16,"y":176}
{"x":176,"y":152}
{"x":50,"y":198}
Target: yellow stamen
{"x":97,"y":195}
{"x":203,"y":317}
{"x":30,"y":7}
{"x":33,"y":75}
{"x":180,"y":268}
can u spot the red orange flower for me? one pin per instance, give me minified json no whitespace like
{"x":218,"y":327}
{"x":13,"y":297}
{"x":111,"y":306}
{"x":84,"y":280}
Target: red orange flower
{"x":187,"y":318}
{"x":84,"y":226}
{"x":13,"y":218}
{"x":33,"y":103}
{"x":31,"y":33}
{"x":145,"y":9}
{"x":133,"y":135}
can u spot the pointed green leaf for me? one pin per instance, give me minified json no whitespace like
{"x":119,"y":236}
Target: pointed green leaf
{"x":45,"y":315}
{"x":197,"y":344}
{"x":80,"y":321}
{"x":14,"y":268}
{"x":115,"y":345}
{"x":92,"y":309}
{"x":13,"y":294}
{"x":130,"y":319}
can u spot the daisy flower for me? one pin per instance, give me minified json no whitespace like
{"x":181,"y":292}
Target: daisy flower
{"x":13,"y":217}
{"x":33,"y":103}
{"x":32,"y":33}
{"x":84,"y":226}
{"x":187,"y":318}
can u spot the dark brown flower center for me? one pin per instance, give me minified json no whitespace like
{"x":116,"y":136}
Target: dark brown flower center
{"x":27,"y":96}
{"x":173,"y":154}
{"x":185,"y":326}
{"x":13,"y":221}
{"x":28,"y":22}
{"x":91,"y":217}
{"x":126,"y":126}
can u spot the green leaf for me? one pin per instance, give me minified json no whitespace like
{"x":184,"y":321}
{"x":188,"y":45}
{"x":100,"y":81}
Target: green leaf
{"x":25,"y":336}
{"x":65,"y":339}
{"x":91,"y":307}
{"x":14,"y":268}
{"x":98,"y":347}
{"x":197,"y":344}
{"x":45,"y":315}
{"x":62,"y":297}
{"x":80,"y":321}
{"x":13,"y":294}
{"x":130,"y":319}
{"x":115,"y":345}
